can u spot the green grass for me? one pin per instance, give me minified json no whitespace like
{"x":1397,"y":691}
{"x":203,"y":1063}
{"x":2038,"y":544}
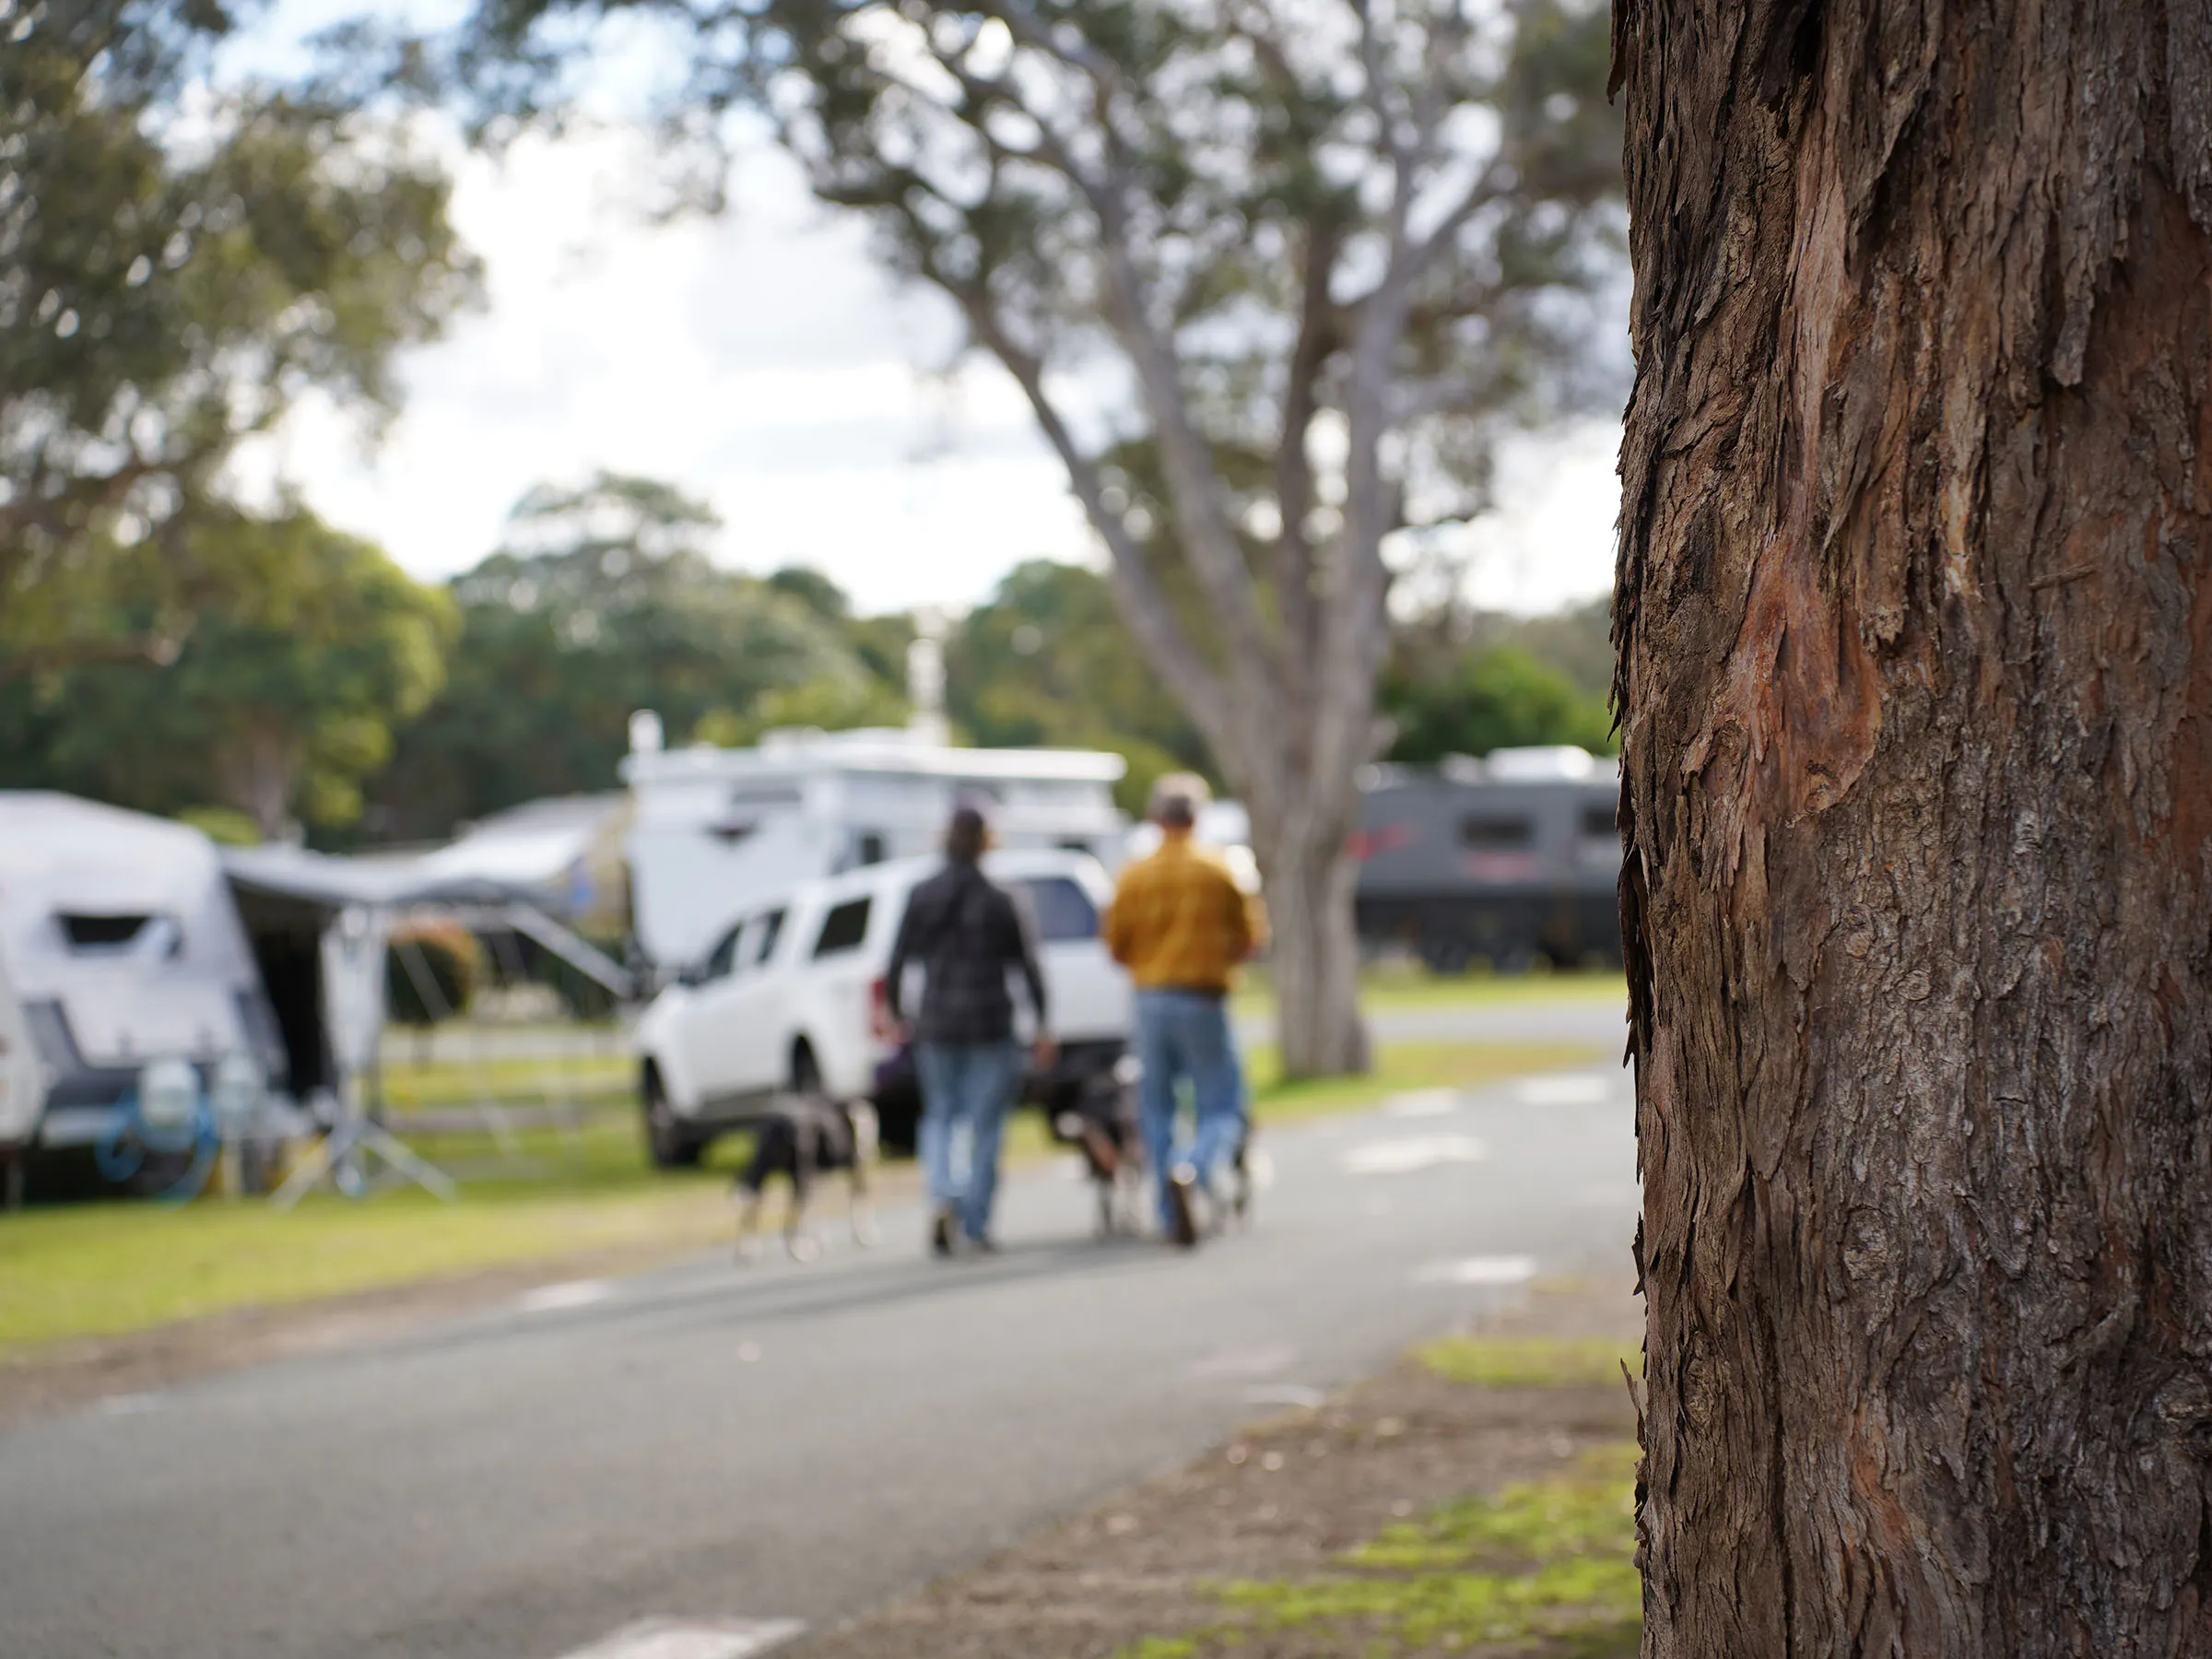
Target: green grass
{"x":1402,"y":1067}
{"x":1408,"y":986}
{"x":440,"y":1083}
{"x":102,"y":1268}
{"x":1529,"y":1361}
{"x":1542,"y":1567}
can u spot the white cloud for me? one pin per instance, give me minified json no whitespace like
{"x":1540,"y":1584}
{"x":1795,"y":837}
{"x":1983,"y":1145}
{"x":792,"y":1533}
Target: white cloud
{"x":764,"y":362}
{"x":1550,"y":542}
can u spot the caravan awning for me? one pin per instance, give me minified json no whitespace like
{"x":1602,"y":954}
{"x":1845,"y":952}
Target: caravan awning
{"x":290,"y":886}
{"x":337,"y":884}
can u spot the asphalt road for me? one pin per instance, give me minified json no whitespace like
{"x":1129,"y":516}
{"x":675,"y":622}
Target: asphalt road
{"x":711,"y":1441}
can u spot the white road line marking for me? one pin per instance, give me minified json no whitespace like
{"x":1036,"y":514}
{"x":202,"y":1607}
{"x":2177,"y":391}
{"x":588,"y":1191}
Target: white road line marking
{"x":555,"y":1299}
{"x":1479,"y":1270}
{"x":692,"y":1639}
{"x":1570,"y":1088}
{"x":131,"y":1404}
{"x":1407,"y":1157}
{"x":1422,"y":1104}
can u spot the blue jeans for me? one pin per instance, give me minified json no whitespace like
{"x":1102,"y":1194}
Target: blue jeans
{"x":1186,"y":1034}
{"x":966,"y":1088}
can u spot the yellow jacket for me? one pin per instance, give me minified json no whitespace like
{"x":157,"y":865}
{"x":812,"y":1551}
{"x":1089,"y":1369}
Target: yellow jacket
{"x":1180,"y":921}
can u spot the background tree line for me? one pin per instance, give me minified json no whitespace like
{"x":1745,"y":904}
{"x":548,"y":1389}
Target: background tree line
{"x":344,"y":698}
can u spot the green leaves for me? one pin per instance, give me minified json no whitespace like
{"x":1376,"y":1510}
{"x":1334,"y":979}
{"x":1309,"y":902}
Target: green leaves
{"x":175,"y":275}
{"x":604,"y":602}
{"x":276,"y":706}
{"x":1500,"y":697}
{"x":1048,"y":662}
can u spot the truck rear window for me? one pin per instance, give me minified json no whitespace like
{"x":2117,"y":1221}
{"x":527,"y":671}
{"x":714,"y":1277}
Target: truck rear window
{"x":845,"y":928}
{"x":1063,"y":910}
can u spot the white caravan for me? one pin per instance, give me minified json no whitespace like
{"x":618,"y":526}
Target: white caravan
{"x":718,"y":832}
{"x":120,"y":948}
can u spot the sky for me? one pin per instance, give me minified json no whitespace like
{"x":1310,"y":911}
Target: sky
{"x":764,"y":361}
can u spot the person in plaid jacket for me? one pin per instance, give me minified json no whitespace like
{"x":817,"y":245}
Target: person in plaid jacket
{"x":966,"y":932}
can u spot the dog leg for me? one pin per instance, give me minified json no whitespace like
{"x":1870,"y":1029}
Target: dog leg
{"x":749,"y":1225}
{"x":796,"y":1240}
{"x":865,"y":1231}
{"x":1103,"y":1153}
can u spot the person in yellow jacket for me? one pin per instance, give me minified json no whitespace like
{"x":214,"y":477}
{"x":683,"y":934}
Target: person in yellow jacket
{"x":1182,"y":927}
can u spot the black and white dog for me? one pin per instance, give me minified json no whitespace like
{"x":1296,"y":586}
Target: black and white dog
{"x":1104,"y":1125}
{"x":804,"y":1136}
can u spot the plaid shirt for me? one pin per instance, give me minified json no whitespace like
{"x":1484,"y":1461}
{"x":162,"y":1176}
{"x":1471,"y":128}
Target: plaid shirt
{"x":1180,"y":921}
{"x":966,"y":933}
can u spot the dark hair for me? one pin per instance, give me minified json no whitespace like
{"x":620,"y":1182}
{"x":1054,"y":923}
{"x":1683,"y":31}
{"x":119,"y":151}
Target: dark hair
{"x":967,"y":835}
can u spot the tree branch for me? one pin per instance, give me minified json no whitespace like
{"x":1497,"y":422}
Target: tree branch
{"x":1492,"y":184}
{"x":1209,"y":540}
{"x":1145,"y":605}
{"x":1294,"y":567}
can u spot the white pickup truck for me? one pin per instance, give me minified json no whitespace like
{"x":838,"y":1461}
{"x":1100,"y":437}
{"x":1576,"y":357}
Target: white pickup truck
{"x":793,"y":996}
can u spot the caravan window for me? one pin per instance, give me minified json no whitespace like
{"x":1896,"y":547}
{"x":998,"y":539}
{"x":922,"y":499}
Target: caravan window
{"x":845,"y":928}
{"x":1598,"y":823}
{"x":115,"y":935}
{"x":1496,"y":834}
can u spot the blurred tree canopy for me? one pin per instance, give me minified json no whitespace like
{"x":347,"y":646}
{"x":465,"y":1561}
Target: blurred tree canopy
{"x":278,"y":706}
{"x":1047,"y":661}
{"x":603,"y":602}
{"x":1497,"y":697}
{"x":1464,"y":681}
{"x":180,"y":263}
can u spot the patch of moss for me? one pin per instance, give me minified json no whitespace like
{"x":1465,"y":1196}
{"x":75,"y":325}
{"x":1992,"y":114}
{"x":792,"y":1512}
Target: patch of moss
{"x":1164,"y":1647}
{"x":1544,"y":1567}
{"x":1528,"y":1361}
{"x":1588,"y":1512}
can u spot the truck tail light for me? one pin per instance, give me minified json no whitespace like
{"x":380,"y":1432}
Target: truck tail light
{"x":880,"y":1023}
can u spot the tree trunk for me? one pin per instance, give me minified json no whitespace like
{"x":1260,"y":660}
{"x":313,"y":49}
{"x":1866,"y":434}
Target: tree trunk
{"x":1308,"y":879}
{"x":1916,"y":616}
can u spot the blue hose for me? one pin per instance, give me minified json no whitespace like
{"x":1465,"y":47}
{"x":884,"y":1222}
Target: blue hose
{"x":130,"y":1140}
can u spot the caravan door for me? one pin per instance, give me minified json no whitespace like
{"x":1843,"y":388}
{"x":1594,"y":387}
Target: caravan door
{"x":22,"y":1089}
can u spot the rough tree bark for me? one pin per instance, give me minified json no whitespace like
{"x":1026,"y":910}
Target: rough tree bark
{"x":1915,"y":629}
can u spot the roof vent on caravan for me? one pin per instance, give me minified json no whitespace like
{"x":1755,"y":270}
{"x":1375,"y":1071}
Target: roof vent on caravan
{"x":1553,"y":763}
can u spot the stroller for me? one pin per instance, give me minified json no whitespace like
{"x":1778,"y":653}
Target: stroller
{"x":1102,"y":1123}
